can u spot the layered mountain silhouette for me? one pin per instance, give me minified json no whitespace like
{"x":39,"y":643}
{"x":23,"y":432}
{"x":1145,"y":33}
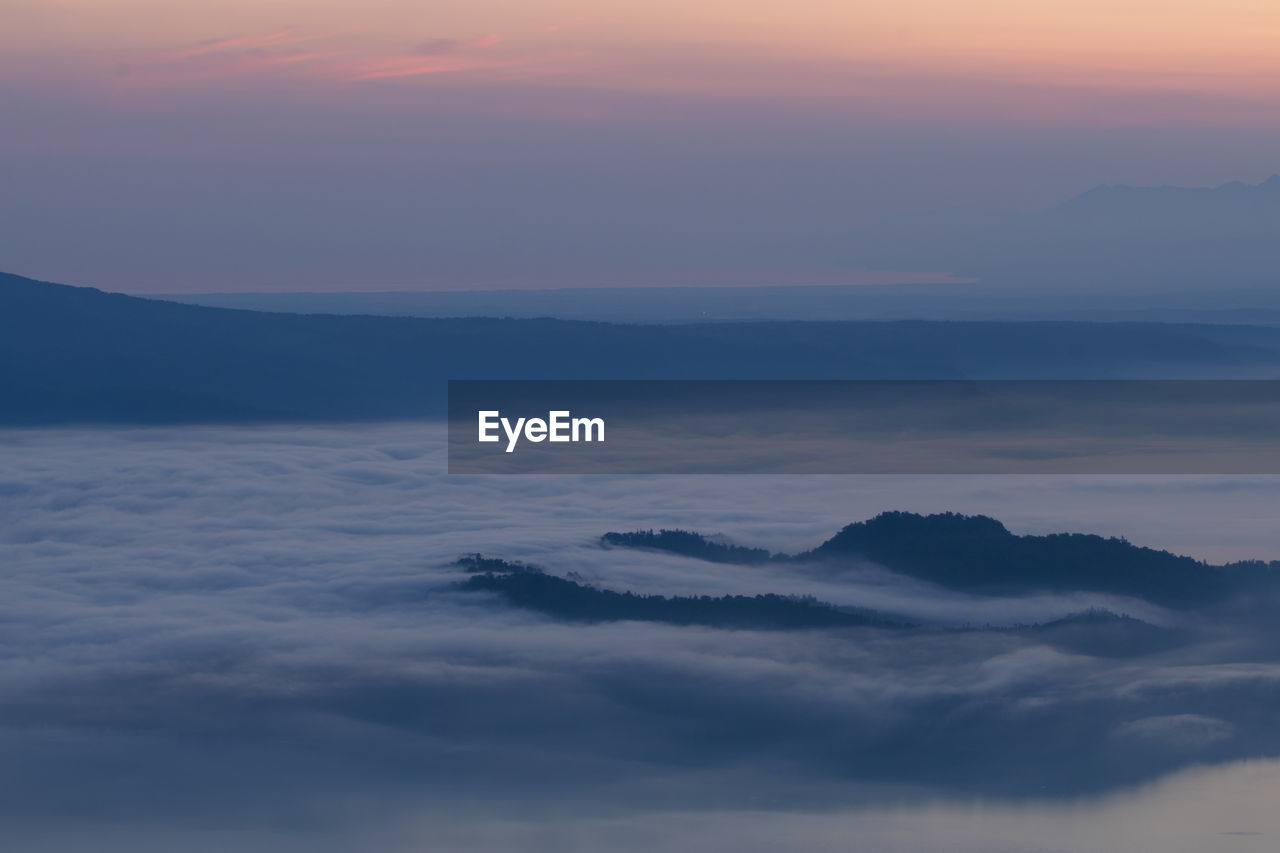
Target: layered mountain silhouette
{"x":970,"y":553}
{"x":80,"y":355}
{"x":1096,"y":631}
{"x":977,"y":554}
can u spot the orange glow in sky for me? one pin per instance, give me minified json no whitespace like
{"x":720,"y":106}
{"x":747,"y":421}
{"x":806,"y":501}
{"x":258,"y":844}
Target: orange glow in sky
{"x":820,"y":48}
{"x":264,"y":144}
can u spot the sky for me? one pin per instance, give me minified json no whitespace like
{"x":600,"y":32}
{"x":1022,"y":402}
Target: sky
{"x":395,"y":145}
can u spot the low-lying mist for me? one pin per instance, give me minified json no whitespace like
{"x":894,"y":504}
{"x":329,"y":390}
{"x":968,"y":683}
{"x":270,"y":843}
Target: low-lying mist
{"x":256,"y":638}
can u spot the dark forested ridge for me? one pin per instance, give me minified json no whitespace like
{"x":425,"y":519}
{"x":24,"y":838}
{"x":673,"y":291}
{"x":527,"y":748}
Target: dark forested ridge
{"x":688,"y":544}
{"x":977,"y":554}
{"x":79,"y":355}
{"x":974,"y":554}
{"x":529,"y":587}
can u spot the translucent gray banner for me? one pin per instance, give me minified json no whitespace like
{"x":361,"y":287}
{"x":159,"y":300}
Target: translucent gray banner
{"x":864,"y":427}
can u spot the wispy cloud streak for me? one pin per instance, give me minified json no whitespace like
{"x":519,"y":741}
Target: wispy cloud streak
{"x":243,"y":42}
{"x":328,"y":58}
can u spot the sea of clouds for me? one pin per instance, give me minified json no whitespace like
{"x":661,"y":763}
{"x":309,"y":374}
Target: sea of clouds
{"x":248,"y":638}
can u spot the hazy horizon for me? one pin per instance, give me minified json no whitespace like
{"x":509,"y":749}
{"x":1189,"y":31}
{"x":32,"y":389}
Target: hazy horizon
{"x":289,"y":145}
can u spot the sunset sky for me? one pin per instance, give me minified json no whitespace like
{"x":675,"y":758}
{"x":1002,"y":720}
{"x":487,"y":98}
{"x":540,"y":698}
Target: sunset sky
{"x":387,"y":144}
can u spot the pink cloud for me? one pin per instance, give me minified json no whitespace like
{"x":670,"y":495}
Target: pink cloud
{"x":438,"y":56}
{"x":241,"y":43}
{"x":237,"y":55}
{"x":295,"y":58}
{"x":321,"y":58}
{"x":436,"y":47}
{"x":400,"y":68}
{"x":413,"y":67}
{"x":486,"y":40}
{"x":441,"y":46}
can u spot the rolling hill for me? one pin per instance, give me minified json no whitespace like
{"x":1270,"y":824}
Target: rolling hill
{"x":80,"y":355}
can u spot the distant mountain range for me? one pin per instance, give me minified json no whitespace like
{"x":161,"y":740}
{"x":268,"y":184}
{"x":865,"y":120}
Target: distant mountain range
{"x":1114,"y":253}
{"x":1117,"y":237}
{"x":1011,"y":301}
{"x":79,"y":355}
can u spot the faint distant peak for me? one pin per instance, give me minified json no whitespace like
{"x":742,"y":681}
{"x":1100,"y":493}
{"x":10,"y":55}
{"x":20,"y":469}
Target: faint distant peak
{"x":1112,"y":192}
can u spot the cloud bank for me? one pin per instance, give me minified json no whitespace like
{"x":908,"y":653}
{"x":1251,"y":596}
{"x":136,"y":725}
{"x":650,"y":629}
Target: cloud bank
{"x":253,"y":634}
